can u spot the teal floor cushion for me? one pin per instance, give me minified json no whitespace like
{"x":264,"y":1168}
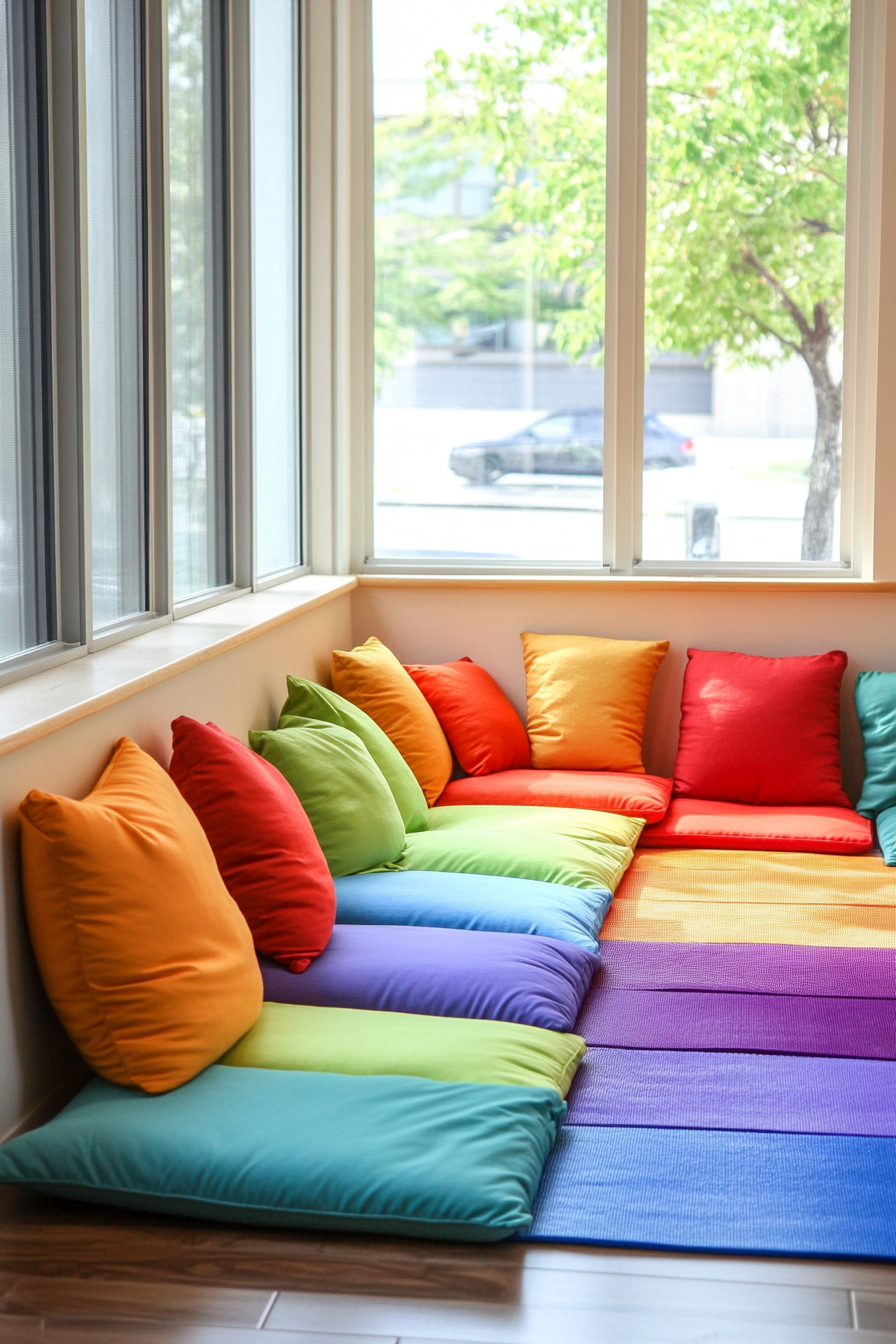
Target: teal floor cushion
{"x":569,"y":845}
{"x":447,"y":1049}
{"x":405,"y":1156}
{"x":469,"y":901}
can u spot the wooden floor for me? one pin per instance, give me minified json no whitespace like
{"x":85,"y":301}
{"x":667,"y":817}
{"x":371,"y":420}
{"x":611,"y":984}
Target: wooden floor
{"x":73,"y":1274}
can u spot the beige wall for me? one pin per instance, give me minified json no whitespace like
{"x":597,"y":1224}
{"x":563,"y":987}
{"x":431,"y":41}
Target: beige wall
{"x":427,"y":625}
{"x":238,"y":690}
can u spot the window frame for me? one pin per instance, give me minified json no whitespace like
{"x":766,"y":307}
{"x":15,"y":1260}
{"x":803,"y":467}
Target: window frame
{"x":871,"y":66}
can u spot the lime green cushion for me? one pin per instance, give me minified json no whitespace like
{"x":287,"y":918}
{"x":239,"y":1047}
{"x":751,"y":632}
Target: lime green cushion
{"x":447,"y":1049}
{"x":305,"y":699}
{"x":342,"y":789}
{"x":569,"y":845}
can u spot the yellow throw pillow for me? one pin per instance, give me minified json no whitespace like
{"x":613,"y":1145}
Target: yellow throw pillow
{"x":143,"y":952}
{"x":587,"y":700}
{"x":372,"y":678}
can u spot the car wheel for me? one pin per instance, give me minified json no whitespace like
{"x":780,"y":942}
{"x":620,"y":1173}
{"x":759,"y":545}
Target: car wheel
{"x":490,"y":470}
{"x":659,"y":463}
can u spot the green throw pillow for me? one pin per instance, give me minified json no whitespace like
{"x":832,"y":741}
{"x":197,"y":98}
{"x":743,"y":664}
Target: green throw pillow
{"x":876,"y":708}
{"x":342,"y":789}
{"x":447,"y":1049}
{"x":307,"y":700}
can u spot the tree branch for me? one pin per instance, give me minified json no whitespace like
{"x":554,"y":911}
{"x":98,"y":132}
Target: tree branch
{"x":770,"y":331}
{"x":789,"y":304}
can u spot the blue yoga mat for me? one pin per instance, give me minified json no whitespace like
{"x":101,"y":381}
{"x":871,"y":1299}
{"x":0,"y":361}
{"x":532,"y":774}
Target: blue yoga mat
{"x":720,"y":1191}
{"x":793,"y":1094}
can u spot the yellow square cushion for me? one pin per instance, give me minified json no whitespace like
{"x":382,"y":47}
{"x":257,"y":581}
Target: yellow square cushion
{"x":371,"y":677}
{"x":143,"y":952}
{"x":587,"y":700}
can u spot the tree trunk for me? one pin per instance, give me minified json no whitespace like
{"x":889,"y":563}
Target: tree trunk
{"x":824,"y":469}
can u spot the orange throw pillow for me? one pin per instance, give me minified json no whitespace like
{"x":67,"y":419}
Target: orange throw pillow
{"x":587,"y":700}
{"x":372,"y":678}
{"x":143,"y":953}
{"x":479,"y":721}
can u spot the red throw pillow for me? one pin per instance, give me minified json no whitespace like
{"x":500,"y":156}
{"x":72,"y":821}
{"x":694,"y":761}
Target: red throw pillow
{"x":266,"y":851}
{"x":481,"y":724}
{"x":761,"y":730}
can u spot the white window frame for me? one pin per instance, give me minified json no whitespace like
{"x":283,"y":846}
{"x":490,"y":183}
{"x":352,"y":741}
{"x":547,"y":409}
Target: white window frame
{"x":339,"y":253}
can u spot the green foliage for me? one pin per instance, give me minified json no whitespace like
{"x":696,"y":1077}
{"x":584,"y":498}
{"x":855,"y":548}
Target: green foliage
{"x":746,"y":178}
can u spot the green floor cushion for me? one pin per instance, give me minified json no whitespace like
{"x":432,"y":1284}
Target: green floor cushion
{"x":446,"y":1049}
{"x":342,"y":789}
{"x":569,"y":845}
{"x":305,"y":699}
{"x":403,"y":1156}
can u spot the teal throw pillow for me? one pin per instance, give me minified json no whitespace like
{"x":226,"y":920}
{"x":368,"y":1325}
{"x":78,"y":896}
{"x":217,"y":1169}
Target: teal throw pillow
{"x":886,"y":835}
{"x":876,"y":708}
{"x":305,"y":699}
{"x":342,"y":789}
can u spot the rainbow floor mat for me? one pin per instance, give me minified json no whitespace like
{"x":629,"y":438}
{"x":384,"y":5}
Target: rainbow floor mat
{"x":738,"y":1094}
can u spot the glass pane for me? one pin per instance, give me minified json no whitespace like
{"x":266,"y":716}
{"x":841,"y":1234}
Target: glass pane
{"x":490,"y":124}
{"x":201,"y":475}
{"x":275,"y":283}
{"x":115,"y":232}
{"x":27,"y":563}
{"x":746,"y":197}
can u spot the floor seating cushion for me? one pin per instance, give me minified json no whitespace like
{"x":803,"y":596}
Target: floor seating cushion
{"x":643,"y":796}
{"x":446,"y":1049}
{"x":405,"y":1156}
{"x":468,"y":901}
{"x":694,"y":823}
{"x":546,"y":844}
{"x":506,"y":977}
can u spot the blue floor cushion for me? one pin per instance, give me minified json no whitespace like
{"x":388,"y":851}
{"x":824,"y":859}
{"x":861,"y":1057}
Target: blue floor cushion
{"x":406,"y":1156}
{"x":468,"y":901}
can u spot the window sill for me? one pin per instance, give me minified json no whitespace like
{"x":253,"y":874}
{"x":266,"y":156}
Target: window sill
{"x":629,"y":582}
{"x":39,"y":705}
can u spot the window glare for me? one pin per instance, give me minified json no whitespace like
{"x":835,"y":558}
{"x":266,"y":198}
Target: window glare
{"x":489,"y":281}
{"x":115,"y":307}
{"x":275,"y":284}
{"x":200,"y":478}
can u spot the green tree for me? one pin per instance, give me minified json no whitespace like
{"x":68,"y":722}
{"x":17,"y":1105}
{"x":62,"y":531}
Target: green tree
{"x":746,"y":180}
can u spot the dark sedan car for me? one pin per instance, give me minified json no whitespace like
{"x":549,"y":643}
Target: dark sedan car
{"x":565,"y":443}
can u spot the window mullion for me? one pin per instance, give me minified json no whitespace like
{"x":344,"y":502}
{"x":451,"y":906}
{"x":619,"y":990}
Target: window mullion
{"x":624,"y":357}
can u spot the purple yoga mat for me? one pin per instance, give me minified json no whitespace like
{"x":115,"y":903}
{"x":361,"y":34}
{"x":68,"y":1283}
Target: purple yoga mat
{"x":753,"y":968}
{"x":690,"y":1090}
{"x":684,"y":1020}
{"x":507,"y":977}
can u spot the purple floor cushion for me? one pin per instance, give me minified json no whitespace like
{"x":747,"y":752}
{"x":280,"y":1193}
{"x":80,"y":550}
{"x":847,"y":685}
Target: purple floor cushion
{"x":685,"y":1020}
{"x":682,"y":1089}
{"x":507,"y":977}
{"x":753,"y":968}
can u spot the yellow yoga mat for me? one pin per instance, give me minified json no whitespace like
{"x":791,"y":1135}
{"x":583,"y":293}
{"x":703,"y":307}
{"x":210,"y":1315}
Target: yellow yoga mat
{"x":748,"y":877}
{"x":684,"y":921}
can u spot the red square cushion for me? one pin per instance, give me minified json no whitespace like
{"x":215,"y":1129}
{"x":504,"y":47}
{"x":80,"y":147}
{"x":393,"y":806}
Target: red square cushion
{"x":694,"y":823}
{"x":645,"y":796}
{"x":484,"y":729}
{"x":266,"y":851}
{"x":761,"y":730}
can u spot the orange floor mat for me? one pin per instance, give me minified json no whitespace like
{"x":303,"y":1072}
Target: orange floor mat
{"x":683,"y":921}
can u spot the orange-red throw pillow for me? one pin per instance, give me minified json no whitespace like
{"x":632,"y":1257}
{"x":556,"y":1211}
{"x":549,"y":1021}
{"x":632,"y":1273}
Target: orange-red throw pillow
{"x":143,"y":953}
{"x":484,"y":729}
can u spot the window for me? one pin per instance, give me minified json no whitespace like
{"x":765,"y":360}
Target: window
{"x":488,"y":335}
{"x":504,"y":183}
{"x":275,"y":287}
{"x":27,"y":543}
{"x":200,"y":430}
{"x":116,"y":309}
